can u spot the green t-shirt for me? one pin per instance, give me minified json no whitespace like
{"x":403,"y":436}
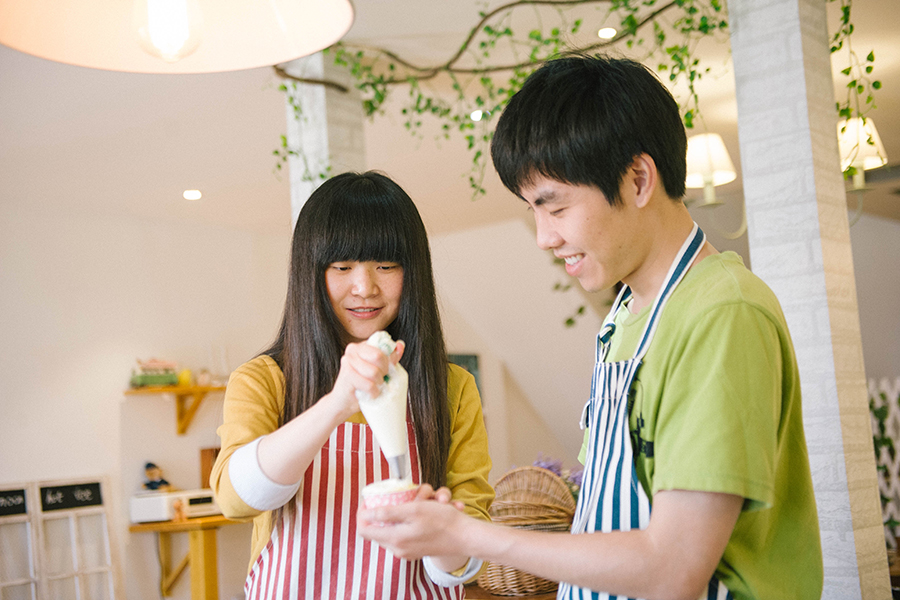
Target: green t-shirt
{"x":716,"y":408}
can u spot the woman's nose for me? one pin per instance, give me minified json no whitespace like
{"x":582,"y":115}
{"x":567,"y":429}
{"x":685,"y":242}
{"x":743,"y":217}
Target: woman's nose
{"x":364,"y":284}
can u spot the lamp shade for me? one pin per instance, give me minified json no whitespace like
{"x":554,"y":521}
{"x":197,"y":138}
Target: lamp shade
{"x":853,"y":139}
{"x":236,"y":34}
{"x":708,"y":161}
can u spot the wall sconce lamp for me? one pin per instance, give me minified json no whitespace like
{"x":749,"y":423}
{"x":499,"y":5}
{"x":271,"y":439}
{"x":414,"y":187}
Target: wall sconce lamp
{"x":861,"y":148}
{"x":173,"y":36}
{"x":709,"y":165}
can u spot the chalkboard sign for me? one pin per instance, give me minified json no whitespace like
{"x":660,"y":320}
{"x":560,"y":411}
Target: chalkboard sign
{"x":62,"y":497}
{"x":12,"y":502}
{"x":30,"y":561}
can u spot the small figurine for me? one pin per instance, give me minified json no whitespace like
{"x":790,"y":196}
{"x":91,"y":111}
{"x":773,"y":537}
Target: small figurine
{"x":178,"y":513}
{"x":155,"y":481}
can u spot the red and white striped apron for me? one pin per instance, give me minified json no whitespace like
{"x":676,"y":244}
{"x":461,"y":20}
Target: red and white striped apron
{"x":314,"y":552}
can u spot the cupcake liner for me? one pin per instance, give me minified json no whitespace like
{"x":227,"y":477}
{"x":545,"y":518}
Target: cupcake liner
{"x":389,"y":499}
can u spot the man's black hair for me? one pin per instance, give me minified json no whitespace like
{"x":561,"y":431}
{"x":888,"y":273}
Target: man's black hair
{"x":583,"y":120}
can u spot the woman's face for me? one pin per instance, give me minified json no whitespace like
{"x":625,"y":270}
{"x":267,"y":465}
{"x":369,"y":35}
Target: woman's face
{"x":365,"y":296}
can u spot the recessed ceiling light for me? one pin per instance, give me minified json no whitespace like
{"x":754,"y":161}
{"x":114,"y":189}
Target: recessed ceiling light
{"x":476,"y":115}
{"x":192,"y":194}
{"x":607,"y":33}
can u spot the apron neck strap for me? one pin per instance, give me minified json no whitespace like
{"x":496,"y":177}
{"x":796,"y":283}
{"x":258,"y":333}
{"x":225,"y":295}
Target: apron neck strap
{"x":683,"y":260}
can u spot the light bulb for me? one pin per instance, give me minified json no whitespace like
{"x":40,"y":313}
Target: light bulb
{"x":168,"y":29}
{"x":607,"y":33}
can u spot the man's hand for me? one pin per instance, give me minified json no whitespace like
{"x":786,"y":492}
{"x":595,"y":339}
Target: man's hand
{"x":430,"y":525}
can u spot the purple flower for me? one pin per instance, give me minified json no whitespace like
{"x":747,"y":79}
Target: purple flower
{"x":575,"y":477}
{"x":550,"y":464}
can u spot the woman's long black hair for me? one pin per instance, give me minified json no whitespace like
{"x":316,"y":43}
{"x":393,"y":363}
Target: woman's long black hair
{"x":365,"y":217}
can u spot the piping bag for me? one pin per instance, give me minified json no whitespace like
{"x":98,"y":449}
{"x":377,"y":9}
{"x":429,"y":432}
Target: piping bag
{"x":386,"y":413}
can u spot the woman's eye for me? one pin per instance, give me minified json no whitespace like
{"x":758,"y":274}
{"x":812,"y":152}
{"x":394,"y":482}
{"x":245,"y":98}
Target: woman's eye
{"x":340,"y":268}
{"x":387,"y":267}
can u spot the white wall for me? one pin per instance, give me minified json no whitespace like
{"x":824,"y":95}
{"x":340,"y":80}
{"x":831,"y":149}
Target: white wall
{"x":497,"y":278}
{"x":517,"y":433}
{"x":462,"y":338}
{"x":102,"y":262}
{"x":83,"y":296}
{"x":876,"y":249}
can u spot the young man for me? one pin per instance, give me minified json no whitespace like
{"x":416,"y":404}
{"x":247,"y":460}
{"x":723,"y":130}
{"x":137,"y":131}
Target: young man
{"x":695,"y":410}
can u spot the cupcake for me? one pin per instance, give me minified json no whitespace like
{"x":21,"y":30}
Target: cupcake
{"x":389,"y":492}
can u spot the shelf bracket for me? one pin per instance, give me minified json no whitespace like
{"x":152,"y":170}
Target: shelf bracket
{"x":186,"y":407}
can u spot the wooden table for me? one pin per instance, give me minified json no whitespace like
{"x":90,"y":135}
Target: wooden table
{"x":201,"y":556}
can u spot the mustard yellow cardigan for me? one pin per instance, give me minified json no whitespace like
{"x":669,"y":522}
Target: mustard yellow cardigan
{"x":254,"y":401}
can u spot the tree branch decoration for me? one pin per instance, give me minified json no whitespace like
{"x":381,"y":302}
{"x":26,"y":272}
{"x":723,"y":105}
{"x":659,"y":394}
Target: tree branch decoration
{"x":659,"y":32}
{"x":482,"y":87}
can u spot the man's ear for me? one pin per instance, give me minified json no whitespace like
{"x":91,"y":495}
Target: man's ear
{"x":644,"y":178}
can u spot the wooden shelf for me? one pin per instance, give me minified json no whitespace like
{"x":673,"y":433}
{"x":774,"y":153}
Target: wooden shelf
{"x":187,"y":399}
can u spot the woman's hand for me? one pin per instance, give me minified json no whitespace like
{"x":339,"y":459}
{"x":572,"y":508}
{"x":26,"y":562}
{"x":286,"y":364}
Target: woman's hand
{"x":363,"y":368}
{"x":285,"y":454}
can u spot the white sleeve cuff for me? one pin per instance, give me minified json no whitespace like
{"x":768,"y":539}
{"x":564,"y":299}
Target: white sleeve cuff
{"x":444,"y":579}
{"x":252,"y":485}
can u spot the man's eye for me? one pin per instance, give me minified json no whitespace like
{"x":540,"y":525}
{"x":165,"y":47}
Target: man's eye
{"x":556,"y":213}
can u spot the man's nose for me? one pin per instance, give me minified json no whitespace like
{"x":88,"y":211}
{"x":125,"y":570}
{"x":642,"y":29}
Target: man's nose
{"x":547,"y":238}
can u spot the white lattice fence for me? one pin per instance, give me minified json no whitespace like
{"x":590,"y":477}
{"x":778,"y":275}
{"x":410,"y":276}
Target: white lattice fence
{"x":884,"y":401}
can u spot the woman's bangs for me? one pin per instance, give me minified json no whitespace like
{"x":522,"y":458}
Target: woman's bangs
{"x":365,"y":233}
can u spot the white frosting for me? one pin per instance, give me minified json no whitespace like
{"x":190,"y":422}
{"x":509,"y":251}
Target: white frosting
{"x":387,"y":486}
{"x":386,"y":413}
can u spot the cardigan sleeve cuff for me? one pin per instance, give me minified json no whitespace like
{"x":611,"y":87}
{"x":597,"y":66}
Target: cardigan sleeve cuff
{"x":252,"y":485}
{"x":444,"y":579}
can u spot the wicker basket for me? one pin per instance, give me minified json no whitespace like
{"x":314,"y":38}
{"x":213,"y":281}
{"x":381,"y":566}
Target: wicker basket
{"x":527,"y":498}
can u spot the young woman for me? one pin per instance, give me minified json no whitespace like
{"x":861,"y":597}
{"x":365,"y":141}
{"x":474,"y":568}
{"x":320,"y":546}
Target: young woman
{"x":296,"y":451}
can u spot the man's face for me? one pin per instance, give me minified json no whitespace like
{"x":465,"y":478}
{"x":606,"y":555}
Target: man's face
{"x":579,"y":226}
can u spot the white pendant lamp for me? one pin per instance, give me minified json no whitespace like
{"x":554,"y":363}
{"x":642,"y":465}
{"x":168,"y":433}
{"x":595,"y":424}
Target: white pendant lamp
{"x":853,"y":142}
{"x":173,"y":36}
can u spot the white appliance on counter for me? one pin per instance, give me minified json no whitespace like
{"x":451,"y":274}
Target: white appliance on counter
{"x":165,"y":506}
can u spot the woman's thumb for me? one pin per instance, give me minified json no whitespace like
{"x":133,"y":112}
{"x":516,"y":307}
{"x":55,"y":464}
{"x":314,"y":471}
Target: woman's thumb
{"x":397,"y":354}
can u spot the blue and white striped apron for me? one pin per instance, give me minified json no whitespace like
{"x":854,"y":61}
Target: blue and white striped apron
{"x":612,"y":498}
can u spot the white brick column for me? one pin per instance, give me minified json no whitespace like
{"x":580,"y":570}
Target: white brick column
{"x":800,"y":245}
{"x":329,"y":131}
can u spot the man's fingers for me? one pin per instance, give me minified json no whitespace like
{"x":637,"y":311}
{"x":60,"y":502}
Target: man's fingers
{"x":443,"y":495}
{"x":425,"y":492}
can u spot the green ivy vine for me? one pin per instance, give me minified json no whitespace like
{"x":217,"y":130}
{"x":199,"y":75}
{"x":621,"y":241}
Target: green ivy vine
{"x":494,"y":60}
{"x":859,"y":100}
{"x":665,"y":32}
{"x":881,"y":439}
